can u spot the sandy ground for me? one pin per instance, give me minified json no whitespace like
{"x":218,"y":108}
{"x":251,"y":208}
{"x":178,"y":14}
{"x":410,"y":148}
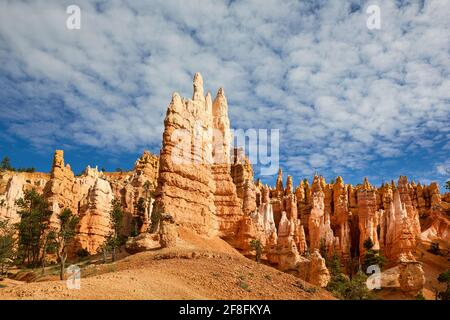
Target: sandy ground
{"x":216,"y":271}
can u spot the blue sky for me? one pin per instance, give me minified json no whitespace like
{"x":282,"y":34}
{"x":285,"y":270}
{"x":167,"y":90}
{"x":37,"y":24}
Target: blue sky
{"x":347,"y":100}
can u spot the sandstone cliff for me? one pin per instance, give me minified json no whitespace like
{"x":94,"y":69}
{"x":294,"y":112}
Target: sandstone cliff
{"x":89,"y":195}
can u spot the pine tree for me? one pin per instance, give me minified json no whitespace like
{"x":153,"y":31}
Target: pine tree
{"x":338,"y":282}
{"x":372,"y":257}
{"x":138,"y":219}
{"x":444,"y":278}
{"x":357,"y":288}
{"x":116,"y":215}
{"x":63,"y":236}
{"x":258,"y":248}
{"x":6,"y":164}
{"x":7,"y":246}
{"x":33,"y":227}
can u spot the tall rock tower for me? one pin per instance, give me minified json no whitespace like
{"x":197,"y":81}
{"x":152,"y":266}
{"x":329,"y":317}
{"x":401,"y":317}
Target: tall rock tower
{"x":194,"y":183}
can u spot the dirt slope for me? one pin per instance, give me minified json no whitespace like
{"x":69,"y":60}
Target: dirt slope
{"x":198,"y":269}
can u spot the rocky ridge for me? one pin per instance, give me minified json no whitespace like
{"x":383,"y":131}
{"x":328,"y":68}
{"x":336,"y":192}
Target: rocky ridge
{"x":208,"y":187}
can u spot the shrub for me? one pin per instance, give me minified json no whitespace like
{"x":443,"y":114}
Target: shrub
{"x":420,"y":296}
{"x":258,"y":248}
{"x":243,"y":285}
{"x":444,"y":278}
{"x":82,"y":253}
{"x":434,"y":248}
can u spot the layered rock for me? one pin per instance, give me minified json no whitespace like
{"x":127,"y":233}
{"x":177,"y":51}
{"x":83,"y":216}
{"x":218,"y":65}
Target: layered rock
{"x":14,"y":191}
{"x":318,"y":274}
{"x":411,"y":275}
{"x":437,"y":224}
{"x":197,"y":181}
{"x":241,"y":171}
{"x":228,"y":207}
{"x":94,"y":212}
{"x":398,"y":235}
{"x":61,"y":191}
{"x":319,"y":224}
{"x":407,"y":195}
{"x":89,"y":195}
{"x":300,"y":238}
{"x":368,"y":216}
{"x":314,"y":270}
{"x":204,"y":185}
{"x":341,"y":218}
{"x":285,"y":254}
{"x":168,"y":231}
{"x":143,"y":242}
{"x":186,"y":185}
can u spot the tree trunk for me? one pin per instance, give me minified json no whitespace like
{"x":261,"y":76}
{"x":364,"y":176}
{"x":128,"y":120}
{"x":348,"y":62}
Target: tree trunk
{"x":43,"y":266}
{"x":63,"y":265}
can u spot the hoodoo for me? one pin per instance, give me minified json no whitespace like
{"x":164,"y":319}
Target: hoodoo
{"x":201,"y":183}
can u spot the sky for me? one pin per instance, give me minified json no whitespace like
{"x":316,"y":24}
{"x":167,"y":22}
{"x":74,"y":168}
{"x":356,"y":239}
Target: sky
{"x":348,"y":100}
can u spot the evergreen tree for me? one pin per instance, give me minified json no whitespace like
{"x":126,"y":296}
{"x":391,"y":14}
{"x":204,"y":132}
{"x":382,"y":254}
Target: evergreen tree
{"x":63,"y":236}
{"x":323,"y":250}
{"x":368,"y":244}
{"x":258,"y":248}
{"x":7,"y":246}
{"x":372,"y":257}
{"x":104,"y":249}
{"x":6,"y":164}
{"x":33,"y":227}
{"x":339,"y":281}
{"x":444,"y":278}
{"x":155,"y":218}
{"x":434,"y":248}
{"x":138,"y":219}
{"x":356,"y":288}
{"x":116,"y":214}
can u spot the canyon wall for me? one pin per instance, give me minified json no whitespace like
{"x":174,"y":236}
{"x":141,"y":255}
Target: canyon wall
{"x":88,"y":195}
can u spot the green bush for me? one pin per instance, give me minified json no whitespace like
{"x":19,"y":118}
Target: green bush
{"x":444,"y":278}
{"x":434,"y":249}
{"x":82,"y":253}
{"x":257,"y":246}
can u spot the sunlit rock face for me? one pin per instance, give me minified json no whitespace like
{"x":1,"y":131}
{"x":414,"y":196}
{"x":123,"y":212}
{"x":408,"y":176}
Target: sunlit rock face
{"x":88,"y":195}
{"x":368,"y":216}
{"x":195,"y":184}
{"x":205,"y":184}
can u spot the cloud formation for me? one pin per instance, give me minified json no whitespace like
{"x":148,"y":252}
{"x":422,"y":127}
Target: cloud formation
{"x":346,"y":99}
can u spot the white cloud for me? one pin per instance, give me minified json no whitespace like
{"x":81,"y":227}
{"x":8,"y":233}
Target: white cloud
{"x":343,"y":96}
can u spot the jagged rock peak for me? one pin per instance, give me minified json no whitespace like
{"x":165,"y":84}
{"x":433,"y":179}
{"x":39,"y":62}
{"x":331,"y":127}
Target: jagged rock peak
{"x":402,"y":181}
{"x":58,"y":169}
{"x":366,"y":185}
{"x":176,"y":98}
{"x":220,"y":104}
{"x":58,"y":159}
{"x":146,"y":163}
{"x":92,"y":172}
{"x":279,"y":185}
{"x":323,"y":183}
{"x":316,"y":184}
{"x":289,"y":185}
{"x":198,"y":87}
